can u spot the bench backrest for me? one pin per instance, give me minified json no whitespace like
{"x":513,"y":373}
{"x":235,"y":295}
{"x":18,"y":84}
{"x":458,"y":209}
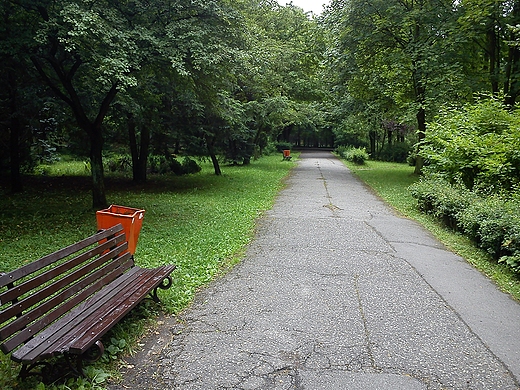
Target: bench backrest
{"x":34,"y":296}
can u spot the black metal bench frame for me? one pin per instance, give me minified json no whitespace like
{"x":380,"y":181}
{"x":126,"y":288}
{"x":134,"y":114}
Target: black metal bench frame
{"x":62,"y":304}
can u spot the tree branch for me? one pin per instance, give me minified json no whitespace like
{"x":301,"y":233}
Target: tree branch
{"x":105,"y":105}
{"x":49,"y":82}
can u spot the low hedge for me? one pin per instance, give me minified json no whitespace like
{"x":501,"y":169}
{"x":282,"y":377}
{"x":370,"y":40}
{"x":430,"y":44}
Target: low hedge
{"x":492,"y":222}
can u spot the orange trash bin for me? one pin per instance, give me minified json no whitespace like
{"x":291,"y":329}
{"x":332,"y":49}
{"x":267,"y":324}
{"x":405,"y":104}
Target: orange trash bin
{"x":130,"y":218}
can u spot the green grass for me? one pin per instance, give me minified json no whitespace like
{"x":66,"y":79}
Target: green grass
{"x":391,"y":181}
{"x":199,"y":222}
{"x":64,"y":167}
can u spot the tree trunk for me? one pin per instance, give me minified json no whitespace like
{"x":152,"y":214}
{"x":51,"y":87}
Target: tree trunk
{"x":99,"y":200}
{"x":216,"y":165}
{"x":143,"y":152}
{"x":14,"y":137}
{"x":421,"y":125}
{"x":139,"y":152}
{"x":512,"y":87}
{"x":494,"y":60}
{"x":14,"y":150}
{"x":213,"y":156}
{"x":372,"y":135}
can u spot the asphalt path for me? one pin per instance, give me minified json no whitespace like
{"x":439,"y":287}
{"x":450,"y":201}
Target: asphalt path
{"x":337,"y":291}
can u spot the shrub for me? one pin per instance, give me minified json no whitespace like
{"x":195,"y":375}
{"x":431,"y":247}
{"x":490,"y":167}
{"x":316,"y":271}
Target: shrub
{"x":358,"y":156}
{"x":165,"y":164}
{"x":281,"y":146}
{"x":492,"y":222}
{"x":445,"y":201}
{"x":397,"y":152}
{"x":190,"y":166}
{"x":341,"y":150}
{"x":349,"y":153}
{"x":118,"y":163}
{"x":176,"y":167}
{"x":158,"y":164}
{"x":477,"y":145}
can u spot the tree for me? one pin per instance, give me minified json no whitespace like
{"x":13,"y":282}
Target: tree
{"x":400,"y":53}
{"x":279,"y":82}
{"x":86,"y":56}
{"x":91,"y":51}
{"x":486,"y":29}
{"x":18,"y":88}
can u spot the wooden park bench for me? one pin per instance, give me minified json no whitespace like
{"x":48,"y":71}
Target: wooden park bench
{"x":62,"y":304}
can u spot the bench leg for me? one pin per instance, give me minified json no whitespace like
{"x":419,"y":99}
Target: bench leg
{"x":165,"y":284}
{"x":44,"y":370}
{"x":47,"y":371}
{"x":93,"y":354}
{"x":67,"y":366}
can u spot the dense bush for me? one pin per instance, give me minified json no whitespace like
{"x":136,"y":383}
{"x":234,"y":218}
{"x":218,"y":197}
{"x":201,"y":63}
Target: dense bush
{"x":396,"y":152}
{"x":190,"y":166}
{"x":493,"y":222}
{"x":281,"y":146}
{"x":478,"y":145}
{"x":437,"y":196}
{"x":472,"y":176}
{"x":355,"y":155}
{"x":165,"y":164}
{"x":118,"y":163}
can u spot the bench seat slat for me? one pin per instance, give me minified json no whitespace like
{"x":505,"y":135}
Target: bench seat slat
{"x":106,"y":308}
{"x":118,"y":309}
{"x":92,"y":311}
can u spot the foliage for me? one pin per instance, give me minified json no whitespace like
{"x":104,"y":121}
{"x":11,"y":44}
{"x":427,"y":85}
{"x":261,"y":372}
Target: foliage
{"x":488,"y":27}
{"x":281,"y":146}
{"x":390,"y":60}
{"x":445,"y":201}
{"x":396,"y":152}
{"x":492,"y":222}
{"x":352,"y":125}
{"x":279,"y":80}
{"x":114,"y":348}
{"x":356,"y":155}
{"x":118,"y":163}
{"x":477,"y":144}
{"x":165,"y":164}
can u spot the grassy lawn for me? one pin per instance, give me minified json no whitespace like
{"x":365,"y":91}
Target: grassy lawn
{"x":199,"y":222}
{"x":391,"y":180}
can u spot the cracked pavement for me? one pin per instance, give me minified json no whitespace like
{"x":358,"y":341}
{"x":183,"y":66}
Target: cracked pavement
{"x":337,"y":292}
